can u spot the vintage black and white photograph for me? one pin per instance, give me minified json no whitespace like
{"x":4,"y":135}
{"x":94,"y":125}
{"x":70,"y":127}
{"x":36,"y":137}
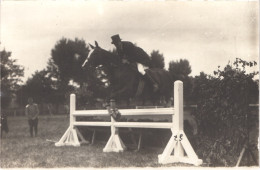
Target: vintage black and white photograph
{"x":129,"y":84}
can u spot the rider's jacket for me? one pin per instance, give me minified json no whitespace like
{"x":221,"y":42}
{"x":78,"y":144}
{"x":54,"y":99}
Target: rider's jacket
{"x":133,"y":53}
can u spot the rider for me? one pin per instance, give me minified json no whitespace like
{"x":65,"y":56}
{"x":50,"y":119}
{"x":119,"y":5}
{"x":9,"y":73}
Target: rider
{"x":133,"y":54}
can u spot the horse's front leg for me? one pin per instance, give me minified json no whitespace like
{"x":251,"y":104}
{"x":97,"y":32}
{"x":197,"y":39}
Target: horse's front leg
{"x":111,"y":107}
{"x":112,"y":110}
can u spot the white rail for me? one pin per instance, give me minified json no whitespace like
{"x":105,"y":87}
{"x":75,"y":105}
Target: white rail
{"x":126,"y":112}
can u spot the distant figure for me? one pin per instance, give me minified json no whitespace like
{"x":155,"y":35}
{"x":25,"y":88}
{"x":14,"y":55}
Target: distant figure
{"x":130,"y":53}
{"x":49,"y":109}
{"x":32,"y":112}
{"x":4,"y":125}
{"x":67,"y":110}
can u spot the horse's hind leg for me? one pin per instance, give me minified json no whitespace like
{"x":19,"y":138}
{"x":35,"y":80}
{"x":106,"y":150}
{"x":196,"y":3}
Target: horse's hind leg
{"x":155,"y":100}
{"x":143,"y":101}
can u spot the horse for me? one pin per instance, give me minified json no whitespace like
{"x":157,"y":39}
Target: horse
{"x":126,"y":82}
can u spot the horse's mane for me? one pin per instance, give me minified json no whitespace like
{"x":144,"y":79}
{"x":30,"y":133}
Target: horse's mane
{"x":112,"y":58}
{"x":112,"y":64}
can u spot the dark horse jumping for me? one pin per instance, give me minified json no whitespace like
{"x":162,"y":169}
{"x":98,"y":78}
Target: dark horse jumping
{"x":126,"y":81}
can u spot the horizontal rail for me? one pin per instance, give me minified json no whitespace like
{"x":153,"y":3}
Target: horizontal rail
{"x":148,"y":107}
{"x":160,"y":125}
{"x":154,"y":111}
{"x":92,"y":123}
{"x":253,"y":105}
{"x":144,"y":125}
{"x":90,"y":113}
{"x":126,"y":112}
{"x":155,"y":107}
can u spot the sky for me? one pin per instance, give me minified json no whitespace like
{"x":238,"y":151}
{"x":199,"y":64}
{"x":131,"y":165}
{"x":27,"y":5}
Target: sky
{"x":208,"y":34}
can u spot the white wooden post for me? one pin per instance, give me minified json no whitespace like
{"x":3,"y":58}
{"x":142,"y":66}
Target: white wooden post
{"x":178,"y":106}
{"x":178,"y":143}
{"x":70,"y":137}
{"x":72,"y":109}
{"x":178,"y":117}
{"x":114,"y":144}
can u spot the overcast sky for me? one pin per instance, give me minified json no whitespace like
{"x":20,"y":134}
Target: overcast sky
{"x":207,"y":34}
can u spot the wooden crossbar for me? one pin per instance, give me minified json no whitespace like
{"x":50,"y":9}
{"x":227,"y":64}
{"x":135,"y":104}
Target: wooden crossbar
{"x":156,"y":125}
{"x":90,"y":113}
{"x":92,"y":123}
{"x":159,"y":125}
{"x":158,"y":111}
{"x":126,"y":112}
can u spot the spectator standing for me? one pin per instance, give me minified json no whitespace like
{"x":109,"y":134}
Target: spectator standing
{"x":4,"y":125}
{"x":32,"y":112}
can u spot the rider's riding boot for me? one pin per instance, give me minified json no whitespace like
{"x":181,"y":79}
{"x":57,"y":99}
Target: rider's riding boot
{"x":150,"y":79}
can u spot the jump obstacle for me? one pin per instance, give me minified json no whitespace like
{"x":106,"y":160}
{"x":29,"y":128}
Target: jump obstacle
{"x":178,"y":148}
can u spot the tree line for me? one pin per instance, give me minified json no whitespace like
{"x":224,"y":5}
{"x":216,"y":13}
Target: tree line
{"x":64,"y":75}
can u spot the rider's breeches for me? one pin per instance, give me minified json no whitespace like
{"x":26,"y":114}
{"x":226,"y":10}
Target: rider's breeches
{"x":141,"y":68}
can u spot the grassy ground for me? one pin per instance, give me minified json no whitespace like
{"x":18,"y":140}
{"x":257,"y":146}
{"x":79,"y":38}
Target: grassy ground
{"x":19,"y":150}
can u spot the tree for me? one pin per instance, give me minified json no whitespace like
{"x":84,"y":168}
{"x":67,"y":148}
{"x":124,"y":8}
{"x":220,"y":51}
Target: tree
{"x":61,"y":88}
{"x":157,"y":59}
{"x":43,"y":89}
{"x":38,"y":87}
{"x":69,"y":55}
{"x":11,"y":74}
{"x":53,"y":74}
{"x":45,"y":86}
{"x":65,"y":69}
{"x":180,"y":70}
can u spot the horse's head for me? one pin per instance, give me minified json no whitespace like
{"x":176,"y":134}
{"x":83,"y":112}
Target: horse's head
{"x":98,"y":56}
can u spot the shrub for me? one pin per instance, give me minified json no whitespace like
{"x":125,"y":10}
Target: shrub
{"x":223,"y":103}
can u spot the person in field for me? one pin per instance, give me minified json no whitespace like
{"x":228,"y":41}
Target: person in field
{"x":4,"y":124}
{"x":32,"y":112}
{"x":130,"y":53}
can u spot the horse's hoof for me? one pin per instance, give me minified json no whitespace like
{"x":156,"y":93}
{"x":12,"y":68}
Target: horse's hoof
{"x":136,"y":150}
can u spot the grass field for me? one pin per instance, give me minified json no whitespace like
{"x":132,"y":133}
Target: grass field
{"x":19,"y":150}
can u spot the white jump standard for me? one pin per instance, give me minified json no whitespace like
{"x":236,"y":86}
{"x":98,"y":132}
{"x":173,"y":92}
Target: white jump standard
{"x":178,"y":148}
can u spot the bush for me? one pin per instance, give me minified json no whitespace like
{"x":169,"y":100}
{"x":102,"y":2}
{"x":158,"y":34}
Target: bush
{"x":223,"y":104}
